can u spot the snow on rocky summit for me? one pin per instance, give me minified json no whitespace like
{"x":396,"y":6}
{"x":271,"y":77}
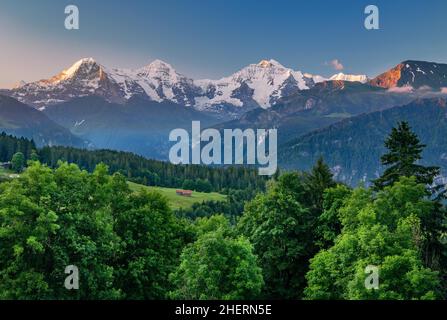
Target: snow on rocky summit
{"x":257,"y":85}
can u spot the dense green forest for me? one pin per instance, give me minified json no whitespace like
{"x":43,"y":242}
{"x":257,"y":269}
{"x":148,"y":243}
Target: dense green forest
{"x":158,"y":173}
{"x":354,"y":146}
{"x":305,"y":236}
{"x":139,"y":169}
{"x":10,"y":145}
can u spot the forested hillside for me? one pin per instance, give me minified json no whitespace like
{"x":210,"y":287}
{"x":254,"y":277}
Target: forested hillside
{"x":352,"y":147}
{"x":157,"y":173}
{"x":139,"y":169}
{"x":9,"y":145}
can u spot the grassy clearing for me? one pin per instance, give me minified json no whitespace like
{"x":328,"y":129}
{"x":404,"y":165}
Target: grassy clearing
{"x":177,"y":201}
{"x":7,"y":174}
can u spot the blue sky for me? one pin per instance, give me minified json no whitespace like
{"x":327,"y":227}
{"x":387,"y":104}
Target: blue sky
{"x":214,"y":38}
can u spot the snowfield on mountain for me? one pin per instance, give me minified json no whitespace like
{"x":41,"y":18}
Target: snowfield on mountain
{"x":257,"y":85}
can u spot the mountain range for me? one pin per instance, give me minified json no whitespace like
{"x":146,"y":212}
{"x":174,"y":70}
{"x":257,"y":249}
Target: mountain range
{"x":414,"y":75}
{"x":325,"y":103}
{"x":257,"y":85}
{"x":90,"y":105}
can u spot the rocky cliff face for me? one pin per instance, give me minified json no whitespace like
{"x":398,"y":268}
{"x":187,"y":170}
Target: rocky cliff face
{"x":414,"y":74}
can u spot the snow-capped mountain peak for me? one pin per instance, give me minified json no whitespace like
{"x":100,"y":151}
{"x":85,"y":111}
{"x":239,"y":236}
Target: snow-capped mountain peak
{"x":159,"y":63}
{"x":156,"y":68}
{"x":84,"y":70}
{"x":413,"y":74}
{"x":259,"y":84}
{"x":85,"y":62}
{"x":161,"y":81}
{"x":85,"y":66}
{"x":19,"y":84}
{"x":269,"y":64}
{"x":350,"y":77}
{"x":314,"y":78}
{"x":84,"y":77}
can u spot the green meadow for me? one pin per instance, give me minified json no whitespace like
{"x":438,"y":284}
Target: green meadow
{"x":178,"y":201}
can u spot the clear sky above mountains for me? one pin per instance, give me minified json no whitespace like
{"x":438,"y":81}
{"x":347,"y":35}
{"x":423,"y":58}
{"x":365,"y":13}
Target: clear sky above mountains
{"x":212,"y":39}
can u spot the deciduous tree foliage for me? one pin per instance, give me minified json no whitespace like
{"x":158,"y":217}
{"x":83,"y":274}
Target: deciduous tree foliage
{"x":382,"y":230}
{"x":280,"y":229}
{"x":282,"y":225}
{"x":152,"y":241}
{"x":218,"y":265}
{"x":231,"y":208}
{"x":305,"y":237}
{"x":18,"y":162}
{"x":328,"y":224}
{"x":123,"y":244}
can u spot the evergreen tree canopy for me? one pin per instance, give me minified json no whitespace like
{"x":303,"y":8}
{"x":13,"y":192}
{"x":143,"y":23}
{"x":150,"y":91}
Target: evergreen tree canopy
{"x":317,"y":181}
{"x":405,"y":150}
{"x":9,"y":145}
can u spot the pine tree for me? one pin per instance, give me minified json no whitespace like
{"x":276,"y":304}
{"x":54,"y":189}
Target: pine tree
{"x":405,"y":150}
{"x":317,"y":181}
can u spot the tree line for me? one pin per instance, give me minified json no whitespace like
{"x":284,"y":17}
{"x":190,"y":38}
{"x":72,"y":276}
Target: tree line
{"x":135,"y":168}
{"x":10,"y":145}
{"x":157,"y":173}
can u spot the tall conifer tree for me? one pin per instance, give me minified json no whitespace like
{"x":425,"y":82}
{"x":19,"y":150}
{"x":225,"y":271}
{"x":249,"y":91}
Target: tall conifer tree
{"x":404,"y":152}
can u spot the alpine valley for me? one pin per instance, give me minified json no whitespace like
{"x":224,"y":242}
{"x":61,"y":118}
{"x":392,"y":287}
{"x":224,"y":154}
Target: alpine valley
{"x":343,"y":118}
